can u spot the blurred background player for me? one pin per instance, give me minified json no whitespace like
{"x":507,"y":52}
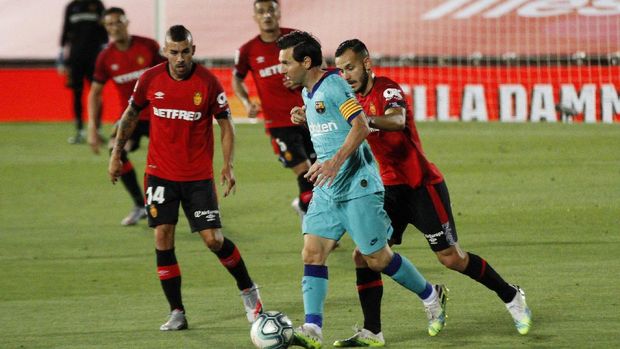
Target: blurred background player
{"x":123,"y":60}
{"x":348,"y":193}
{"x":415,"y":193}
{"x":82,"y":38}
{"x":277,"y":96}
{"x":183,"y":99}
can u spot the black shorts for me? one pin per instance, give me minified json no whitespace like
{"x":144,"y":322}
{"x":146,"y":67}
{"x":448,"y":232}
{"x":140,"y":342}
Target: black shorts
{"x":427,"y":208}
{"x":198,"y":199}
{"x":292,"y":145}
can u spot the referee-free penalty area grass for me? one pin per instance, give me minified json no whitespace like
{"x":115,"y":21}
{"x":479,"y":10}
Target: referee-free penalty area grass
{"x":541,"y":202}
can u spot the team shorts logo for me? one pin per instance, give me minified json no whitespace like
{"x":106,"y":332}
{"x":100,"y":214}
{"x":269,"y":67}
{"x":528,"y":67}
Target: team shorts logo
{"x":153,"y":211}
{"x":210,"y":215}
{"x":319,"y":106}
{"x":197,"y":98}
{"x":432,"y":238}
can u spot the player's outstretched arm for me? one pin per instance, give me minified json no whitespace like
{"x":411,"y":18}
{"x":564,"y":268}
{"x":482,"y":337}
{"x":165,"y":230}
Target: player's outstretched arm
{"x":228,"y":152}
{"x":393,"y":120}
{"x":128,"y":123}
{"x":95,"y":98}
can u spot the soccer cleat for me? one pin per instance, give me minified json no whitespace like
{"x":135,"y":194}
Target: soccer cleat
{"x":79,"y":138}
{"x":176,"y":321}
{"x":136,"y":214}
{"x":252,"y":303}
{"x":309,"y":336}
{"x":362,"y":338}
{"x":436,"y":311}
{"x":520,"y":312}
{"x":295,"y":206}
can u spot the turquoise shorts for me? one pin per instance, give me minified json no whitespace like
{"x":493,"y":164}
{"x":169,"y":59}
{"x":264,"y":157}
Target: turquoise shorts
{"x":363,"y":218}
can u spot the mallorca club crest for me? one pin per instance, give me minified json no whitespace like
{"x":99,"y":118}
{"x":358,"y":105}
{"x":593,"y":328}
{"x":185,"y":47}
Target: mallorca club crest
{"x":153,"y":210}
{"x":373,"y":109}
{"x":197,"y":98}
{"x":140,"y":60}
{"x":319,"y":106}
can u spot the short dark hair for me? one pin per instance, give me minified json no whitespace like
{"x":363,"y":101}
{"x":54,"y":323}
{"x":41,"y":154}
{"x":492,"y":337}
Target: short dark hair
{"x":304,"y":45}
{"x":178,"y":33}
{"x":257,"y":1}
{"x":354,"y":45}
{"x":114,"y":10}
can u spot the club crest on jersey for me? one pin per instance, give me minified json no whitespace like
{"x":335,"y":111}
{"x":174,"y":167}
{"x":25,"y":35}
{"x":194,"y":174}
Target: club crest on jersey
{"x":319,"y":106}
{"x":197,"y":98}
{"x":372,"y":109}
{"x":140,"y":60}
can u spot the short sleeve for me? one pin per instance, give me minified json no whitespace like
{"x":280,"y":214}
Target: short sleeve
{"x":242,"y":66}
{"x":100,"y":75}
{"x":139,"y":98}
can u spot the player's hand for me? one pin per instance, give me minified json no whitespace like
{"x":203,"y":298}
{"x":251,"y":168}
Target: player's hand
{"x":298,"y":115}
{"x":114,"y":168}
{"x":228,"y":180}
{"x":322,"y":173}
{"x":253,"y":108}
{"x":94,"y":140}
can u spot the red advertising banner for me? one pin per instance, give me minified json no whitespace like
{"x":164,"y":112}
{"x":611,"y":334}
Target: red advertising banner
{"x":511,"y":94}
{"x":468,"y":93}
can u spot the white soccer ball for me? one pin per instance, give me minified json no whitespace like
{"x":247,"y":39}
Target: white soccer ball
{"x":272,"y":330}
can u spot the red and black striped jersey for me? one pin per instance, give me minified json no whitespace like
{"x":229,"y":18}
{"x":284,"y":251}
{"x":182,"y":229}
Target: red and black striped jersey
{"x":181,"y":128}
{"x":399,"y":153}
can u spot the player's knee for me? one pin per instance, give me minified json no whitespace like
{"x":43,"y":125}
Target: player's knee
{"x":358,"y":259}
{"x":311,"y":254}
{"x":452,"y":261}
{"x":213,"y":240}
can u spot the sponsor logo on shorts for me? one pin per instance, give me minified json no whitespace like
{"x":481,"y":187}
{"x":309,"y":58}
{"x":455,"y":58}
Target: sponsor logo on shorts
{"x":210,"y":215}
{"x":432,"y":238}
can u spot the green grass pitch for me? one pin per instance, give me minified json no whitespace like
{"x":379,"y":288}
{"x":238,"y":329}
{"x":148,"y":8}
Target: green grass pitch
{"x":541,"y":202}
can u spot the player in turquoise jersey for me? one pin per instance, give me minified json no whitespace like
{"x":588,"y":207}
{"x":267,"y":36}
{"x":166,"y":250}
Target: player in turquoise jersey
{"x":348,"y":194}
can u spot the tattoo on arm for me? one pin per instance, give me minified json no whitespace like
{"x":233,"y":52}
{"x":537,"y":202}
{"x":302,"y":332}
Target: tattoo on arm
{"x":125,"y":128}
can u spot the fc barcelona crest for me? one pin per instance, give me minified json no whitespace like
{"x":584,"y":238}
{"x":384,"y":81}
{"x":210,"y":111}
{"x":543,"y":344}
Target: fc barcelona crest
{"x":197,"y":98}
{"x":319,"y":106}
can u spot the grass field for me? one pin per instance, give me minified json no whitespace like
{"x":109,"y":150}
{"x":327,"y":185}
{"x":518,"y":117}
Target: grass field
{"x":541,"y":202}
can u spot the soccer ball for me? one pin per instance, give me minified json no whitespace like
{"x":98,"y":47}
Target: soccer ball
{"x":272,"y":330}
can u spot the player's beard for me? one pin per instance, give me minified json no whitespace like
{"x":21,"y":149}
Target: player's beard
{"x":363,"y":82}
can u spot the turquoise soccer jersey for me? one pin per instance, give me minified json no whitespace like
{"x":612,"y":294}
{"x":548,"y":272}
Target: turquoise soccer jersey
{"x":330,"y":108}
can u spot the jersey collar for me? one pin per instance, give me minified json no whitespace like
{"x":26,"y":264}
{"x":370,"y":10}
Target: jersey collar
{"x":318,"y":83}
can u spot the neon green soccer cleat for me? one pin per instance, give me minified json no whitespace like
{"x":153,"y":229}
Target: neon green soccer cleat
{"x":520,"y":312}
{"x":309,"y":336}
{"x":436,"y":311}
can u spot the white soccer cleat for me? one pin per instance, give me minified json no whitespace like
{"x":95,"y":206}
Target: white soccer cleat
{"x":176,"y":321}
{"x":362,"y":338}
{"x":136,"y":214}
{"x":295,"y":206}
{"x":436,"y":311}
{"x":252,"y":303}
{"x":520,"y":312}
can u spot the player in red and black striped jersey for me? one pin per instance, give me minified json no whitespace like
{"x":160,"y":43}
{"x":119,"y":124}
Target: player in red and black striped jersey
{"x":278,"y":96}
{"x":183,"y":98}
{"x":416,"y":192}
{"x":123,"y":60}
